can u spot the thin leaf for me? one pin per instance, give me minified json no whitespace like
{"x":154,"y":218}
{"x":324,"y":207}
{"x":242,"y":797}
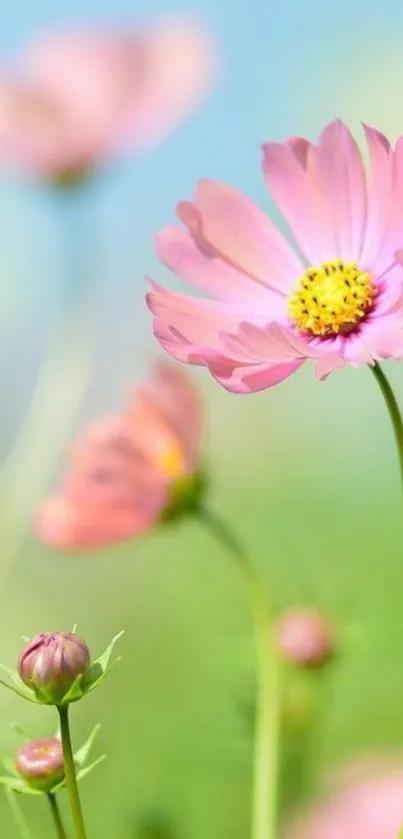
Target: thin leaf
{"x":9,"y":766}
{"x":23,"y":694}
{"x":12,"y":674}
{"x":81,"y":755}
{"x":87,"y":769}
{"x":104,"y":659}
{"x":18,"y":785}
{"x":102,"y":675}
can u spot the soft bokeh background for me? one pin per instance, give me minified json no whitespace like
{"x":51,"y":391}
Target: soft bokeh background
{"x":306,"y":471}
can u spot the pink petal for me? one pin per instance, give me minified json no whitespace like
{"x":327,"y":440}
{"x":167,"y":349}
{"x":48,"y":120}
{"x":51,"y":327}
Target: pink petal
{"x":356,"y":350}
{"x":327,"y":364}
{"x":180,"y":63}
{"x":178,"y":251}
{"x":170,"y":400}
{"x":273,"y":342}
{"x":300,"y":148}
{"x":392,"y":238}
{"x":67,"y":527}
{"x":380,"y":197}
{"x":390,"y":297}
{"x":177,"y":348}
{"x":341,"y":179}
{"x":292,"y":182}
{"x":250,"y":378}
{"x":276,"y":344}
{"x":379,"y":339}
{"x":200,"y":321}
{"x":384,"y":337}
{"x":243,"y":235}
{"x":92,"y":76}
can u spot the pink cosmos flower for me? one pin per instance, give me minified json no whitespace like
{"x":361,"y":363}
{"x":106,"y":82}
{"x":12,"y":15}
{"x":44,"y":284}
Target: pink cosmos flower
{"x":369,"y":805}
{"x":124,"y":470}
{"x":77,"y":96}
{"x":334,"y":295}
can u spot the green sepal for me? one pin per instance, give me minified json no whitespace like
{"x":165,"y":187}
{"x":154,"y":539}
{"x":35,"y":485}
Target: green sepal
{"x":18,"y":785}
{"x":30,"y":697}
{"x":9,"y":766}
{"x":81,"y":755}
{"x":74,"y":693}
{"x":82,"y":773}
{"x":186,"y":495}
{"x":101,"y":666}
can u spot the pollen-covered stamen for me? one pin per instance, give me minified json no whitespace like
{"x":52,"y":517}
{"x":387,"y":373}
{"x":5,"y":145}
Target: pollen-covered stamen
{"x":331,"y":299}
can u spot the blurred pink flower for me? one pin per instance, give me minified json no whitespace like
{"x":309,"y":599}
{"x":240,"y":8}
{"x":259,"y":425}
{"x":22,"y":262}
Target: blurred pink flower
{"x":78,"y":96}
{"x":271,"y":311}
{"x":304,"y":636}
{"x":124,"y":470}
{"x":368,"y":805}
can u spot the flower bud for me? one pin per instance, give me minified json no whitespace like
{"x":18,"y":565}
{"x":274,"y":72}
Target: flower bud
{"x":304,"y":637}
{"x":41,"y":764}
{"x":51,"y":662}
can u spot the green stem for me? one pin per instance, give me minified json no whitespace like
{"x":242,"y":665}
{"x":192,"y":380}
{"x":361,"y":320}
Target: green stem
{"x":70,"y":770}
{"x":394,"y":412}
{"x":264,"y":819}
{"x":56,"y":814}
{"x":23,"y":828}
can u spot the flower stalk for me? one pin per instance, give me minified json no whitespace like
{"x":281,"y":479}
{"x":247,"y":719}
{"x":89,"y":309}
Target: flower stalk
{"x":56,"y":815}
{"x":264,"y":807}
{"x":393,"y":410}
{"x":70,"y":770}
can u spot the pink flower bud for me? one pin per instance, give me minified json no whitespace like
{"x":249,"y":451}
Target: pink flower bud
{"x":41,"y":764}
{"x":304,"y":637}
{"x":51,"y":662}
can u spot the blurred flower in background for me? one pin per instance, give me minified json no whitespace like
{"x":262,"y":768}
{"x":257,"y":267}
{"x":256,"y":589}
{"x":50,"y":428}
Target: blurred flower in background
{"x":367,"y":805}
{"x":271,"y":313}
{"x":77,"y":96}
{"x":129,"y":471}
{"x":304,"y":636}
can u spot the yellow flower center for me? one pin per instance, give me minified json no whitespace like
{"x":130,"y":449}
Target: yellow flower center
{"x":170,"y":461}
{"x":331,"y":299}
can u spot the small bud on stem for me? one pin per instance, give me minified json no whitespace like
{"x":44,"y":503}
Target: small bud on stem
{"x":41,"y":763}
{"x":304,"y":637}
{"x":51,"y":663}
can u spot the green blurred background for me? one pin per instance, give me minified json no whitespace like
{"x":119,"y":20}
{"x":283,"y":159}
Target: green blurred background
{"x":307,"y":472}
{"x":308,"y":476}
